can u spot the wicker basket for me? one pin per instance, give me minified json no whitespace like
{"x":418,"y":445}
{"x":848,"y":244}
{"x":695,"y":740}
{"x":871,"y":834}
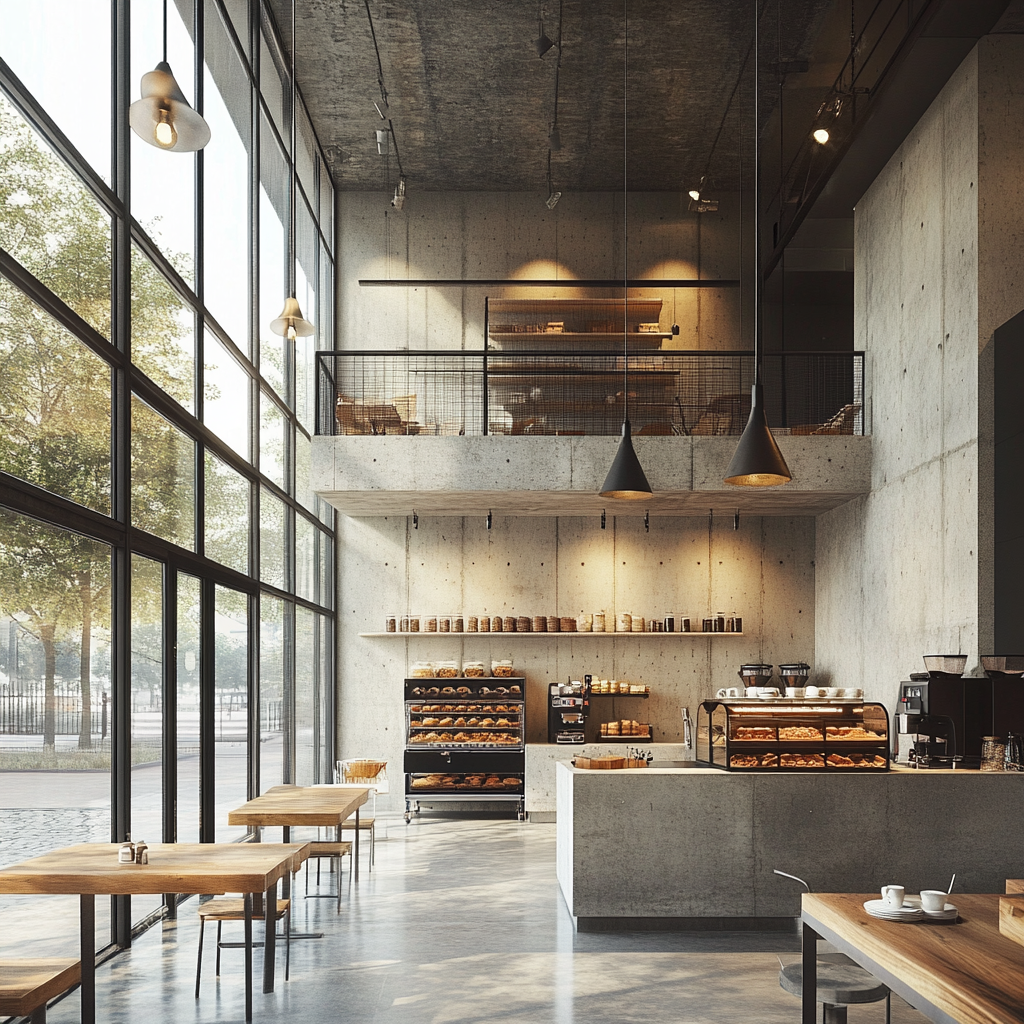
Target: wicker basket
{"x":353,"y":771}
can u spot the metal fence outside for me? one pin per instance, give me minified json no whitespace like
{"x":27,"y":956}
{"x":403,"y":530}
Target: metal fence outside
{"x":467,"y":392}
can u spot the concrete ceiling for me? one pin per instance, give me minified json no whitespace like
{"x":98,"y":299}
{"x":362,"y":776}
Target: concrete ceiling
{"x":472,"y":103}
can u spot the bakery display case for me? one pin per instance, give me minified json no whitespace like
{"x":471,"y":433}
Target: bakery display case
{"x":464,"y":740}
{"x":793,"y":735}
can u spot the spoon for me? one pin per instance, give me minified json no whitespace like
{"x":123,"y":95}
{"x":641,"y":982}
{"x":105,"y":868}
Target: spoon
{"x":951,"y":881}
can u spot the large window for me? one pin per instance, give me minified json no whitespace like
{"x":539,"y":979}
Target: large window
{"x":154,"y":441}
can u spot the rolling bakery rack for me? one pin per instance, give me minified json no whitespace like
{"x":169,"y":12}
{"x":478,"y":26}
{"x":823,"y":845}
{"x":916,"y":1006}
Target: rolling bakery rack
{"x":465,"y":741}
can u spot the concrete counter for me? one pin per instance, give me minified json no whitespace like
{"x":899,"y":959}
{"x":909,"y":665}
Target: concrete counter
{"x":679,"y":848}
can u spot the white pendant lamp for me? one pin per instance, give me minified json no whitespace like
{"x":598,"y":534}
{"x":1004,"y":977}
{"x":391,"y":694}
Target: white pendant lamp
{"x":626,"y":478}
{"x":163,"y":117}
{"x":757,"y":461}
{"x":291,"y":324}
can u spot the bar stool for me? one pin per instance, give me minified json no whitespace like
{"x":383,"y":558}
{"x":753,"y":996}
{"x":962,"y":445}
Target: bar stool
{"x":320,"y":849}
{"x":840,"y":981}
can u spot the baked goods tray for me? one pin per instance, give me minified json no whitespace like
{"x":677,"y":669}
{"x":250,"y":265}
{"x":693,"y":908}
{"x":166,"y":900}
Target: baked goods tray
{"x":491,"y":694}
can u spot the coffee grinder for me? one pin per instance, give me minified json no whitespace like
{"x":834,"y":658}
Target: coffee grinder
{"x":568,"y":707}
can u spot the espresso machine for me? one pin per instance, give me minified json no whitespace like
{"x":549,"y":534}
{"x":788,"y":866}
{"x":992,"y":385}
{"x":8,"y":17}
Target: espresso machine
{"x":942,"y":715}
{"x":568,"y":708}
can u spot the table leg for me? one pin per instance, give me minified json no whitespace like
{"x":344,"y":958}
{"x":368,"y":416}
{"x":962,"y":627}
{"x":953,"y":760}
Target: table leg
{"x":810,"y":975}
{"x":247,"y":904}
{"x":286,"y":881}
{"x":356,"y":870}
{"x":87,"y":904}
{"x":269,"y":937}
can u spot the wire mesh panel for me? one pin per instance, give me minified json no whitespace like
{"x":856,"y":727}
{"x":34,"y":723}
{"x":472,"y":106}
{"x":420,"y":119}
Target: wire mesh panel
{"x":527,"y":392}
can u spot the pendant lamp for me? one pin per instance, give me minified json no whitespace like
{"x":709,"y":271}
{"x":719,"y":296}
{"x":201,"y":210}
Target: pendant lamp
{"x":291,"y":324}
{"x":626,"y":478}
{"x":163,"y":117}
{"x":757,"y":461}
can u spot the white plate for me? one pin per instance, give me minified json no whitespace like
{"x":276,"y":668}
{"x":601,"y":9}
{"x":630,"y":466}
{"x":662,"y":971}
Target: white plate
{"x":947,"y":912}
{"x":887,"y":912}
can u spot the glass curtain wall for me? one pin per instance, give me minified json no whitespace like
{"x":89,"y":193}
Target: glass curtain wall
{"x":166,"y":585}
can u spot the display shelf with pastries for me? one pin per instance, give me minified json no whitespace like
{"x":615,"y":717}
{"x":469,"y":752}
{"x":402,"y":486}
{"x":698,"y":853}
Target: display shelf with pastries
{"x":809,"y":735}
{"x":464,"y":741}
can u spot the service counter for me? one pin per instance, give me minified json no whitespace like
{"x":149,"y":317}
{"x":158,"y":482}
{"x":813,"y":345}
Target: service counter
{"x":682,"y":848}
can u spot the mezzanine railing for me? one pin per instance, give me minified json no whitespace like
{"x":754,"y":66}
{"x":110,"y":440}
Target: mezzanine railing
{"x":463,"y":392}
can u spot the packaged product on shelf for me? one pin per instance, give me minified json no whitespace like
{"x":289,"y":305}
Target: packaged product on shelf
{"x":502,"y":669}
{"x":473,"y":669}
{"x":447,"y":669}
{"x":421,"y":670}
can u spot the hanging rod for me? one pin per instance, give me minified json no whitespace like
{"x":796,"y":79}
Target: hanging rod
{"x":642,"y":282}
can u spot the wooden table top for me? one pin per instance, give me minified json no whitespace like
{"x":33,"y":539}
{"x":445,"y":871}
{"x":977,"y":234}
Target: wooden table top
{"x":968,"y":971}
{"x":173,"y":867}
{"x":301,"y":805}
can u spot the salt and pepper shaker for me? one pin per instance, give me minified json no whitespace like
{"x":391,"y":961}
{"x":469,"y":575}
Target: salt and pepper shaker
{"x":141,"y":852}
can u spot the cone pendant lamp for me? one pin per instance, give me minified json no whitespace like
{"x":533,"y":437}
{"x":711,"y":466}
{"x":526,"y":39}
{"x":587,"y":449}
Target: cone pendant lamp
{"x":163,"y":117}
{"x":626,"y":479}
{"x":291,"y":324}
{"x":757,"y":461}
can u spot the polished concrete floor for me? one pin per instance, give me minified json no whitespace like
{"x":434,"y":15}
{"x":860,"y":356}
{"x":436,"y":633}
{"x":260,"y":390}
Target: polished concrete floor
{"x":461,"y":921}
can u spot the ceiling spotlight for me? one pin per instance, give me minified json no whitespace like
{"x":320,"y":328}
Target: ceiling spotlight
{"x":820,"y":136}
{"x":694,"y":193}
{"x":399,"y":201}
{"x":828,"y":112}
{"x":383,"y":141}
{"x":552,"y":200}
{"x":382,"y":108}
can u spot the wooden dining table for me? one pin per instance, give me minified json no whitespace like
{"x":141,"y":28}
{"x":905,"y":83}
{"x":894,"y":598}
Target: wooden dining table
{"x":91,"y":869}
{"x":962,"y":973}
{"x":312,"y":806}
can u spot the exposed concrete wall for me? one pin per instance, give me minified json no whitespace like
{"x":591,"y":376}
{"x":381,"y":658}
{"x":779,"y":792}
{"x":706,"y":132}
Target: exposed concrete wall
{"x":532,"y":566}
{"x":513,"y":235}
{"x":907,"y":570}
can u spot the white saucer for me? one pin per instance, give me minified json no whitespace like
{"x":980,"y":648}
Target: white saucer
{"x":887,"y":912}
{"x":947,"y":913}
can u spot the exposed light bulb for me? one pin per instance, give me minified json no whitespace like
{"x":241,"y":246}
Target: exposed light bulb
{"x":163,"y":131}
{"x":820,"y":135}
{"x":694,"y":193}
{"x":290,"y":333}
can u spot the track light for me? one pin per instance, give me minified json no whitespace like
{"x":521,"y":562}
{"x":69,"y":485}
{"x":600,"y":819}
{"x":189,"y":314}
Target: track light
{"x":828,"y":113}
{"x":820,"y":136}
{"x":489,"y":519}
{"x":415,"y":520}
{"x":647,"y":521}
{"x":542,"y":42}
{"x":383,"y":141}
{"x":694,"y":194}
{"x":399,"y":201}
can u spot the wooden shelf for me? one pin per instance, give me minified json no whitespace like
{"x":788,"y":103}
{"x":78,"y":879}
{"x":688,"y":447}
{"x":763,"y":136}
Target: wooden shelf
{"x":556,"y":636}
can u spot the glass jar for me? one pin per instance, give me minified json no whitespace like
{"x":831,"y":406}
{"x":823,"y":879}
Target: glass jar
{"x":421,"y":670}
{"x":719,"y":622}
{"x":993,"y":754}
{"x":473,"y":669}
{"x":447,"y":669}
{"x":458,"y":624}
{"x":391,"y":624}
{"x":501,"y":669}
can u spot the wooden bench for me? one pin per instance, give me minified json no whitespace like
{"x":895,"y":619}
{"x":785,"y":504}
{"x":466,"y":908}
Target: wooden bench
{"x":26,"y":986}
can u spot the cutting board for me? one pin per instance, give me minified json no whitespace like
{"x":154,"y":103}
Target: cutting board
{"x":1011,"y":917}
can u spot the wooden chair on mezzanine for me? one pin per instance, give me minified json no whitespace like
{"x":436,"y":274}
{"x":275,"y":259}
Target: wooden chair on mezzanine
{"x":232,"y":908}
{"x":371,"y":773}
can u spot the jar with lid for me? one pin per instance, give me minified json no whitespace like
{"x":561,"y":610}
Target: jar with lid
{"x":993,"y":754}
{"x":459,"y":624}
{"x":391,"y":624}
{"x":473,"y":669}
{"x":719,"y":626}
{"x":447,"y":669}
{"x":421,"y":670}
{"x":502,"y":669}
{"x":598,"y":623}
{"x":707,"y":625}
{"x":444,"y":623}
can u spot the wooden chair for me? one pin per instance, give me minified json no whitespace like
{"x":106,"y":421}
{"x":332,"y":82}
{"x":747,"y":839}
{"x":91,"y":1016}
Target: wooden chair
{"x":26,"y":986}
{"x":372,"y":774}
{"x":334,"y":852}
{"x":232,"y":908}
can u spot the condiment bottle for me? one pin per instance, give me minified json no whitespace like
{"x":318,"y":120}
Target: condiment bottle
{"x":141,"y":852}
{"x":125,"y":855}
{"x":719,"y":622}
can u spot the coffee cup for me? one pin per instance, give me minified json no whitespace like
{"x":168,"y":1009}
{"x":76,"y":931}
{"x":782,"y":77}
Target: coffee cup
{"x":831,"y":691}
{"x":728,"y":691}
{"x":893,"y":895}
{"x":750,"y":691}
{"x":933,"y":901}
{"x":794,"y":691}
{"x":812,"y":691}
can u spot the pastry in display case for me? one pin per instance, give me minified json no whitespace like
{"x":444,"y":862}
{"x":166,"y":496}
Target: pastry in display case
{"x":464,"y":739}
{"x":801,"y":735}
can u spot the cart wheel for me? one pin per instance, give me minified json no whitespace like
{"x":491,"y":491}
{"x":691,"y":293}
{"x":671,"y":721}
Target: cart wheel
{"x":407,"y":817}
